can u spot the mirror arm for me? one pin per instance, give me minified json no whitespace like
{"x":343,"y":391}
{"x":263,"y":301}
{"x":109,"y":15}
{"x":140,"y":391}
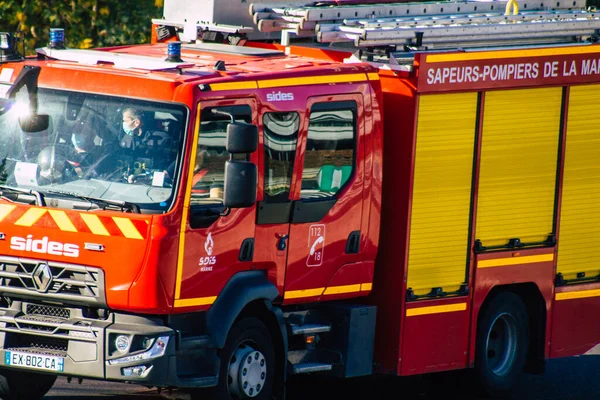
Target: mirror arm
{"x":215,"y":111}
{"x":225,"y":212}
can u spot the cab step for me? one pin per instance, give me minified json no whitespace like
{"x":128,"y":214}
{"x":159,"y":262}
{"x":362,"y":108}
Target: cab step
{"x":305,"y":368}
{"x":309,"y":329}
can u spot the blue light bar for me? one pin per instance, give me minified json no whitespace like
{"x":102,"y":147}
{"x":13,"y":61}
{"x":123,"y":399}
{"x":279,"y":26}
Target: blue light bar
{"x":174,"y":51}
{"x":5,"y":40}
{"x":8,"y":48}
{"x":57,"y":38}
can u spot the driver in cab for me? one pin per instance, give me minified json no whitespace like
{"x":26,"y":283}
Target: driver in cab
{"x":84,"y":160}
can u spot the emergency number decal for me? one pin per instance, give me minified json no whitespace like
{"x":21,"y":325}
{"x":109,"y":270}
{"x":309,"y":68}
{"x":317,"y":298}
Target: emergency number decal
{"x":316,"y":244}
{"x":206,"y":263}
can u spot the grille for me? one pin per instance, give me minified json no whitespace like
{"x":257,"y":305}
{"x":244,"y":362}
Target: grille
{"x":48,"y":311}
{"x":52,"y":280}
{"x":40,"y":343}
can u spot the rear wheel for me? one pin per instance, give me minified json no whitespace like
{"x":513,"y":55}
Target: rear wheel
{"x":21,"y":385}
{"x":502,"y":341}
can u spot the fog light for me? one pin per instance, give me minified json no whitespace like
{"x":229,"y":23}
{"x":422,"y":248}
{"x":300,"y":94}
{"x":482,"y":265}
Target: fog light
{"x":134,"y":371}
{"x":122,"y":343}
{"x":146,"y":342}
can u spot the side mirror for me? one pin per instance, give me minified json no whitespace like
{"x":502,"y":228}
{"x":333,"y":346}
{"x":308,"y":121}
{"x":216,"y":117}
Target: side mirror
{"x":240,"y":184}
{"x":241,"y":138}
{"x":28,"y":77}
{"x":34,"y":123}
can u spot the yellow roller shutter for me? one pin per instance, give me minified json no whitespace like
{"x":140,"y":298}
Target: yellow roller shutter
{"x":579,"y":233}
{"x":519,"y":152}
{"x":441,"y":200}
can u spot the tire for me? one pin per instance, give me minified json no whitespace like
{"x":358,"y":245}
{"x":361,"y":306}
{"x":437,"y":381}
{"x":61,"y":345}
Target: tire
{"x":248,"y":344}
{"x":20,"y":385}
{"x":502,"y":343}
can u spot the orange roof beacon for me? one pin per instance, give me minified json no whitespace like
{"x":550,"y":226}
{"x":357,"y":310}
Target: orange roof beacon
{"x":344,"y":188}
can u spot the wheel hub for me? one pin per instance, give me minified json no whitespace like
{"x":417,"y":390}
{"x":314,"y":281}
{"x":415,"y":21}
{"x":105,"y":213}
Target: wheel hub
{"x":247,"y":372}
{"x":501,"y":344}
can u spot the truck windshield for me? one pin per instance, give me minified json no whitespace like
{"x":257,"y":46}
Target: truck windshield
{"x":96,"y":146}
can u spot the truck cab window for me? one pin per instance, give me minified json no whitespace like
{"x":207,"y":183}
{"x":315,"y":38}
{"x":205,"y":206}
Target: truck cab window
{"x":280,"y":137}
{"x":209,"y":164}
{"x":329,"y":156}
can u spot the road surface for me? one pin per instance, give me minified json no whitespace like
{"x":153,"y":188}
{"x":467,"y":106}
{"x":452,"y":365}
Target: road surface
{"x":576,"y":378}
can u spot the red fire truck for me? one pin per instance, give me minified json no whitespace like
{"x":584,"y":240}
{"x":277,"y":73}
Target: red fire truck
{"x":397,"y":189}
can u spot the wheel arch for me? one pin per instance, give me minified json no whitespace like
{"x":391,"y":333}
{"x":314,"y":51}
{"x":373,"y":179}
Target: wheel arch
{"x":250,"y":294}
{"x":534,"y":302}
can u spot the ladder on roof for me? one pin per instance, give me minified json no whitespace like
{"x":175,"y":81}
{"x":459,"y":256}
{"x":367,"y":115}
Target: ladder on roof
{"x":433,"y":25}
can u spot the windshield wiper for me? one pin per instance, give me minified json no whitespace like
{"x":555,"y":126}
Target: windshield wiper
{"x":102,"y":203}
{"x":39,"y":197}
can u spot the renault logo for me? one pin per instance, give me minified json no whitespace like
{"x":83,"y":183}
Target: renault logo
{"x":42,"y":277}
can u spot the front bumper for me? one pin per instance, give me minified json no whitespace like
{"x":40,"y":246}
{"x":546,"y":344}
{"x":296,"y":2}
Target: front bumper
{"x":86,"y":344}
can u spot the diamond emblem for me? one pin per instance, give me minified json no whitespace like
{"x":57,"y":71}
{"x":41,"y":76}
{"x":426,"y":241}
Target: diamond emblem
{"x":42,"y":277}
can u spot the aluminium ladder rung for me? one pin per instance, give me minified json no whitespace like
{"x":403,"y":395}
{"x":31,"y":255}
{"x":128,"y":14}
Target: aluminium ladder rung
{"x":321,"y":14}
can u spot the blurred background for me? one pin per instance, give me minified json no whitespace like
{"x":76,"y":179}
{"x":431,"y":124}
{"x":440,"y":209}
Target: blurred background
{"x":87,"y":23}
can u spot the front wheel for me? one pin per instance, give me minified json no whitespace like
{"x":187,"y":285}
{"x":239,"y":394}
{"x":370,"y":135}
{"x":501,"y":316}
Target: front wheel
{"x":21,"y":385}
{"x":502,"y":342}
{"x":247,"y":364}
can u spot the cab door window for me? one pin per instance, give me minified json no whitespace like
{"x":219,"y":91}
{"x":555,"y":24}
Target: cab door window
{"x":280,"y":133}
{"x":329,"y":158}
{"x":209,"y":167}
{"x":281,"y":136}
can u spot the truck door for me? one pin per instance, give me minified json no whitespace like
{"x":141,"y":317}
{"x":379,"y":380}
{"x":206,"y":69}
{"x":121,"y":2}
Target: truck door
{"x":325,"y":230}
{"x":311,"y":196}
{"x":213,"y":247}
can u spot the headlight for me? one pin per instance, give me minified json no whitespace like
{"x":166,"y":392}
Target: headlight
{"x":122,"y":343}
{"x":157,"y":350}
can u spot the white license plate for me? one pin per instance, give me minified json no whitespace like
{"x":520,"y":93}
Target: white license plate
{"x":35,"y":361}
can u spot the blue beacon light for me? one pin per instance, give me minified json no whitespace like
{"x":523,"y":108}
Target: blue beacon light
{"x":57,"y":38}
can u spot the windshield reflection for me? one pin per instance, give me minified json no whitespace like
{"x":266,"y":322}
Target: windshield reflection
{"x":98,"y":146}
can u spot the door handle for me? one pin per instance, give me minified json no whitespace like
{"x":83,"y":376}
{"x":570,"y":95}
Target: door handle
{"x":281,"y":245}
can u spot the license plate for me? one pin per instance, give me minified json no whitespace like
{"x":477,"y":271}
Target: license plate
{"x":35,"y":361}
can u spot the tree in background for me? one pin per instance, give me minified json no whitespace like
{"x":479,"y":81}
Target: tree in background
{"x":87,"y":23}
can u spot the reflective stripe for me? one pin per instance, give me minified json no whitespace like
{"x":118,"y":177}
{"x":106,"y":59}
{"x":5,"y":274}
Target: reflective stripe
{"x":30,"y":216}
{"x":411,"y":312}
{"x":233,"y":86}
{"x":127,"y":227}
{"x":342,"y":289}
{"x":185,"y":211}
{"x":582,"y":294}
{"x":312,"y":80}
{"x":200,"y":301}
{"x":296,"y":294}
{"x":95,"y":225}
{"x":62,"y":220}
{"x":504,"y":262}
{"x":5,"y":209}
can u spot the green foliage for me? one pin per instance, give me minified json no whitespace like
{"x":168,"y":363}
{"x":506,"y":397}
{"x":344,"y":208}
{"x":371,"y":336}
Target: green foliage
{"x":87,"y":23}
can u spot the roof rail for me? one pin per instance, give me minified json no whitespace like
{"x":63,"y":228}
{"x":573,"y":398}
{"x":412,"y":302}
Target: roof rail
{"x":119,"y":60}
